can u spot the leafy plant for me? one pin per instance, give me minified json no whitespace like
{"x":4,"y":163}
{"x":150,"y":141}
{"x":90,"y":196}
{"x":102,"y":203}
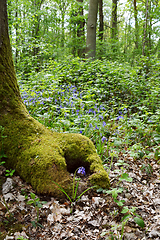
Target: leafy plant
{"x":22,"y":238}
{"x":37,"y":204}
{"x":147,"y":168}
{"x":11,"y":216}
{"x":10,"y":172}
{"x":73,"y":199}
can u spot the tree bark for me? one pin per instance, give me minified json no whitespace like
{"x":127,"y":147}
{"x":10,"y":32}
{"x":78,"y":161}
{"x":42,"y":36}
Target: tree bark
{"x":39,"y":156}
{"x":80,"y":31}
{"x":114,"y":30}
{"x":101,"y":24}
{"x":91,"y":29}
{"x":136,"y":24}
{"x":145,"y":41}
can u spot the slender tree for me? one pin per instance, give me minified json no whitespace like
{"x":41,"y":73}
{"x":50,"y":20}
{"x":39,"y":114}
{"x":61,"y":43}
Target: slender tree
{"x":114,"y":29}
{"x":91,"y":29}
{"x":101,"y":23}
{"x":80,"y":29}
{"x":136,"y":24}
{"x":38,"y":155}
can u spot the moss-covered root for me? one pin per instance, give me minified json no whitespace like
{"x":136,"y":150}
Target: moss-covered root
{"x":41,"y":157}
{"x":80,"y":151}
{"x":54,"y":156}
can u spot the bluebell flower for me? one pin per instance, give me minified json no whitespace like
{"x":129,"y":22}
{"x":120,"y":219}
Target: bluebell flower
{"x":104,"y":124}
{"x":81,"y":131}
{"x":120,"y":117}
{"x":82,"y":106}
{"x":96,"y":127}
{"x":81,"y":170}
{"x":104,"y":139}
{"x":101,"y":117}
{"x":90,"y":125}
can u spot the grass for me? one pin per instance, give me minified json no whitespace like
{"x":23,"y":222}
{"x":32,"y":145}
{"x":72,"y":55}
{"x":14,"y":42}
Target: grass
{"x":117,"y":106}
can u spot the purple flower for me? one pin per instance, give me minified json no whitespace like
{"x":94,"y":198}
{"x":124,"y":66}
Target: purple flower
{"x":96,"y":127}
{"x":120,"y":117}
{"x":80,"y":131}
{"x":104,"y":124}
{"x":104,"y":139}
{"x":101,"y":117}
{"x":81,"y":171}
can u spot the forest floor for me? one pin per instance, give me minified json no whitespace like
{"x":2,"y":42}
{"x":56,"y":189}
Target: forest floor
{"x":95,"y":215}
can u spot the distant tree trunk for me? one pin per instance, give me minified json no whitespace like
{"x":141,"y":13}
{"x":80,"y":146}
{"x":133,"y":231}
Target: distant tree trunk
{"x":136,"y":25}
{"x":114,"y":29}
{"x":101,"y":24}
{"x":145,"y":40}
{"x":62,"y":7}
{"x":80,"y":31}
{"x":149,"y":28}
{"x":39,"y":155}
{"x":91,"y":29}
{"x":36,"y":32}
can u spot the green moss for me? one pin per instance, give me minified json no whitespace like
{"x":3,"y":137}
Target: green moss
{"x":2,"y":68}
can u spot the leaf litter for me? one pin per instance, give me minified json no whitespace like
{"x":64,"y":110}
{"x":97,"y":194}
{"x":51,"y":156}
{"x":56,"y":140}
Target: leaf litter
{"x":95,"y":215}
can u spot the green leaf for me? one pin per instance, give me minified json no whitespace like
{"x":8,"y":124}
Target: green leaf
{"x":133,"y":209}
{"x":125,"y":210}
{"x":100,"y":190}
{"x":33,"y":224}
{"x":2,"y":155}
{"x":139,"y":221}
{"x":125,"y":177}
{"x":30,"y":202}
{"x":33,"y":195}
{"x":119,"y":203}
{"x":126,"y":217}
{"x":40,"y":225}
{"x":62,"y":190}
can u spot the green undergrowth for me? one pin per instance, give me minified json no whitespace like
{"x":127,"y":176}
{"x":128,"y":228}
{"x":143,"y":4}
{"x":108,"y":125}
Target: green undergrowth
{"x":117,"y":106}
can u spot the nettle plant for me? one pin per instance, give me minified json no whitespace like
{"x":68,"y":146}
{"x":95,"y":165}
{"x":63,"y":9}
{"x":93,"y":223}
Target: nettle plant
{"x":129,"y":213}
{"x":37,"y":204}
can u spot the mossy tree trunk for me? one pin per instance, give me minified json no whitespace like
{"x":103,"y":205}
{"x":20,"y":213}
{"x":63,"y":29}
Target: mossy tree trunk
{"x":39,"y":155}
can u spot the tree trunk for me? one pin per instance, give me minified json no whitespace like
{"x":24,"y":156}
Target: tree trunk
{"x":91,"y":29}
{"x":145,"y":41}
{"x":39,"y":155}
{"x":101,"y":25}
{"x":80,"y":31}
{"x":114,"y":30}
{"x":136,"y":24}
